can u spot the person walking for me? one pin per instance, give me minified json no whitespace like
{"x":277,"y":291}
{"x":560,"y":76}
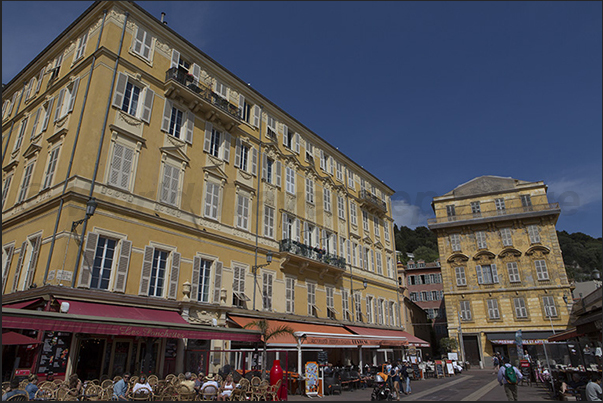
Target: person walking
{"x":593,"y":388}
{"x":509,"y":376}
{"x":405,"y":377}
{"x":496,"y":363}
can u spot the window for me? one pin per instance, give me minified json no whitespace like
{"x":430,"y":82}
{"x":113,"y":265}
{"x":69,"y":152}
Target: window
{"x":421,"y":265}
{"x":541,"y":270}
{"x":271,"y":170}
{"x":390,"y":272}
{"x":324,"y":160}
{"x":480,"y":237}
{"x":312,"y":308}
{"x":365,"y":223}
{"x":290,"y":180}
{"x":238,"y":287}
{"x":513,"y":272}
{"x":465,"y":310}
{"x":212,"y":199}
{"x":103,"y":263}
{"x":455,"y":242}
{"x":486,"y":274}
{"x":26,"y":266}
{"x":353,"y":217}
{"x":476,"y":209}
{"x":450,"y":212}
{"x":369,"y":309}
{"x":526,"y":202}
{"x":460,"y":276}
{"x":520,"y":308}
{"x":345,"y":305}
{"x":7,"y":256}
{"x":158,"y":270}
{"x":327,"y":199}
{"x":392,"y":309}
{"x":386,"y":230}
{"x":129,"y":94}
{"x":331,"y":312}
{"x":534,"y":233}
{"x":290,"y":139}
{"x":215,"y":142}
{"x":270,"y":127}
{"x":358,"y":307}
{"x":354,"y":253}
{"x":290,"y":295}
{"x":493,"y":312}
{"x":500,"y":205}
{"x":380,"y":312}
{"x":379,"y":263}
{"x":21,"y":135}
{"x":243,"y":212}
{"x":267,"y":280}
{"x":221,"y":89}
{"x":339,"y":171}
{"x":425,"y":296}
{"x":434,"y":295}
{"x":142,"y":43}
{"x":5,"y":189}
{"x":80,"y":47}
{"x":269,"y":222}
{"x":25,"y":182}
{"x":56,"y":67}
{"x":340,"y":207}
{"x":246,"y":156}
{"x":550,"y":310}
{"x":66,"y":100}
{"x":244,"y":109}
{"x":351,"y":182}
{"x":372,"y":259}
{"x":204,"y":279}
{"x":505,"y":235}
{"x":309,"y":152}
{"x":376,"y":226}
{"x":50,"y":167}
{"x":309,"y":190}
{"x":170,"y":185}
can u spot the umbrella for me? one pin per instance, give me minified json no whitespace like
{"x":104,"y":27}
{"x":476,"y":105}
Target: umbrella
{"x":13,"y":338}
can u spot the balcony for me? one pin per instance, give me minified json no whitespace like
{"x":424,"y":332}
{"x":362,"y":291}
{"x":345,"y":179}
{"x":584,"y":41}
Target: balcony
{"x":537,"y":210}
{"x":308,"y":252}
{"x":200,"y":98}
{"x":372,"y":203}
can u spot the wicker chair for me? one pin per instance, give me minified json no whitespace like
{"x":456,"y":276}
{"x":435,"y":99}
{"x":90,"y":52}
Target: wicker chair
{"x":46,"y":394}
{"x":141,"y":395}
{"x":63,"y":393}
{"x":169,"y":393}
{"x":106,"y":383}
{"x":93,"y":392}
{"x":272,"y":391}
{"x":19,"y":397}
{"x":170,"y":378}
{"x":185,"y":394}
{"x":209,"y":392}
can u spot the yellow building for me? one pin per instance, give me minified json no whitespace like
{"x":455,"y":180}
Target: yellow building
{"x":139,"y":172}
{"x":501,"y":266}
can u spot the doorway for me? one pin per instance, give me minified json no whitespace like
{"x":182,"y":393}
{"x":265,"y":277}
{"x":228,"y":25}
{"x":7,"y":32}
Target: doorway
{"x":471,"y":347}
{"x":90,"y":358}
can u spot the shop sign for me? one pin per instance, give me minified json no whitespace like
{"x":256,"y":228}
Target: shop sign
{"x":311,"y":378}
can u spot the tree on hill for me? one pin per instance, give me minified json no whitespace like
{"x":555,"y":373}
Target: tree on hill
{"x":582,"y":254}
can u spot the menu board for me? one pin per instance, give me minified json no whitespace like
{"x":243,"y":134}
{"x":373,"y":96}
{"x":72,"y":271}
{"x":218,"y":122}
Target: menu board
{"x":55,"y":352}
{"x":311,"y":378}
{"x":439,"y":369}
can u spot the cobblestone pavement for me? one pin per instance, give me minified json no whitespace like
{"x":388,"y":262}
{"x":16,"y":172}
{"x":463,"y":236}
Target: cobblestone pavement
{"x":472,"y":385}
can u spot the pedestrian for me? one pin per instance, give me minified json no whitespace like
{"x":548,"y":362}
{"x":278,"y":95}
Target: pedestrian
{"x":405,"y":377}
{"x":593,"y":388}
{"x":395,"y":372}
{"x":509,"y":376}
{"x":496,"y":363}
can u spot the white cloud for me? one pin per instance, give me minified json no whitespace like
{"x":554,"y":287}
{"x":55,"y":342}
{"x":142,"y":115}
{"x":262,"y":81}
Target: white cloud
{"x":407,"y":215}
{"x":575,"y":192}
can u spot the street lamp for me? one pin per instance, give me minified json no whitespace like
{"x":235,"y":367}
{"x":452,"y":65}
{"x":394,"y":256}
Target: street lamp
{"x":90,"y":209}
{"x":364,"y":284}
{"x":255,"y":273}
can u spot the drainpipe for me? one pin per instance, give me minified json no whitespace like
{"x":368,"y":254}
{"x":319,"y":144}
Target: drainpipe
{"x":13,"y":122}
{"x":347,"y":194}
{"x":100,"y":146}
{"x":257,"y":210}
{"x":77,"y":134}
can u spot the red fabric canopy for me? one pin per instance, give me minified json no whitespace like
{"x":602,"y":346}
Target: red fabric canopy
{"x":22,"y":304}
{"x":369,"y":331}
{"x":123,"y":312}
{"x":14,"y":338}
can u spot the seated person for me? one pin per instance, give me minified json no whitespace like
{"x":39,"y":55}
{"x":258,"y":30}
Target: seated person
{"x":210,"y":380}
{"x":188,"y":381}
{"x":13,"y":389}
{"x":199,"y":381}
{"x":593,"y":388}
{"x":572,"y":386}
{"x":226,"y":389}
{"x":75,"y":385}
{"x":142,"y":383}
{"x":32,"y":387}
{"x":121,"y":388}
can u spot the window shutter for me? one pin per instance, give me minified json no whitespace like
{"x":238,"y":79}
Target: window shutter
{"x":79,"y":51}
{"x":174,"y":275}
{"x":35,"y":123}
{"x":306,"y":234}
{"x":19,"y":265}
{"x":88,"y":261}
{"x":120,"y":89}
{"x":48,"y":113}
{"x":175,"y":58}
{"x":195,"y":278}
{"x":126,"y":167}
{"x":297,"y":229}
{"x":277,"y":173}
{"x":122,"y":266}
{"x":167,"y":115}
{"x":254,"y":161}
{"x":147,"y":107}
{"x":57,"y":112}
{"x":218,"y":282}
{"x":207,"y":142}
{"x":285,"y":132}
{"x":297,"y":143}
{"x":264,"y":166}
{"x":138,"y":40}
{"x":196,"y":72}
{"x":190,"y":124}
{"x":322,"y":160}
{"x":241,"y":105}
{"x":9,"y":258}
{"x":478,"y":269}
{"x":73,"y":94}
{"x":165,"y":183}
{"x":33,"y":262}
{"x":146,"y":51}
{"x":40,"y":77}
{"x":114,"y":175}
{"x":284,"y":226}
{"x":227,"y":147}
{"x":174,"y":185}
{"x":494,"y":274}
{"x":256,"y":116}
{"x":237,"y":161}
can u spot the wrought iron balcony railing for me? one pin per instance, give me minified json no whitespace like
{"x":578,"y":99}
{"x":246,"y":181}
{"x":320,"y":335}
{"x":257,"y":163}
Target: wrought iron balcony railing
{"x":206,"y":93}
{"x":365,"y":195}
{"x":534,"y":210}
{"x":298,"y":248}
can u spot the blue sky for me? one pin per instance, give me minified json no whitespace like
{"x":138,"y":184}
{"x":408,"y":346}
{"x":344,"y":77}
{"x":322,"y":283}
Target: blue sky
{"x":424,"y":95}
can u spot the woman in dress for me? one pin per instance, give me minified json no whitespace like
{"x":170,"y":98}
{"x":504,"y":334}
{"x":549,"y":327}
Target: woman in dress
{"x":226,"y":388}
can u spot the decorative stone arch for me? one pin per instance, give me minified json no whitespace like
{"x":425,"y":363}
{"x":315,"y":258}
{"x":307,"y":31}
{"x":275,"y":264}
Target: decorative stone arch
{"x":538,"y":251}
{"x":458,"y":259}
{"x":484,"y":255}
{"x":509,"y":254}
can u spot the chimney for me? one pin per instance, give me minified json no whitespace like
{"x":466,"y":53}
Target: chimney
{"x":162,"y":16}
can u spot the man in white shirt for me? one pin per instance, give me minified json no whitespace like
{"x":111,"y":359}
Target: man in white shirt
{"x":593,"y":389}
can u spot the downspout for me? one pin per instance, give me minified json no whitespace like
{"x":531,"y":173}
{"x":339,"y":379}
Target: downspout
{"x":77,"y":134}
{"x":100,"y":147}
{"x":347,"y":194}
{"x":259,"y":167}
{"x":13,"y":122}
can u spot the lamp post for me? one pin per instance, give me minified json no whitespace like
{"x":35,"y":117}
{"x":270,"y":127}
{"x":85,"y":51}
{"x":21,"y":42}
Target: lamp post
{"x":255,"y":274}
{"x":364,"y":285}
{"x":90,"y":209}
{"x":460,"y":329}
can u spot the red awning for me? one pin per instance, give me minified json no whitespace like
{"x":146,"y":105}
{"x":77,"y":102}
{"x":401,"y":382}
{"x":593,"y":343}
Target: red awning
{"x":123,"y":312}
{"x":22,"y":304}
{"x":14,"y":338}
{"x":370,"y":331}
{"x":568,"y":334}
{"x":332,"y":331}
